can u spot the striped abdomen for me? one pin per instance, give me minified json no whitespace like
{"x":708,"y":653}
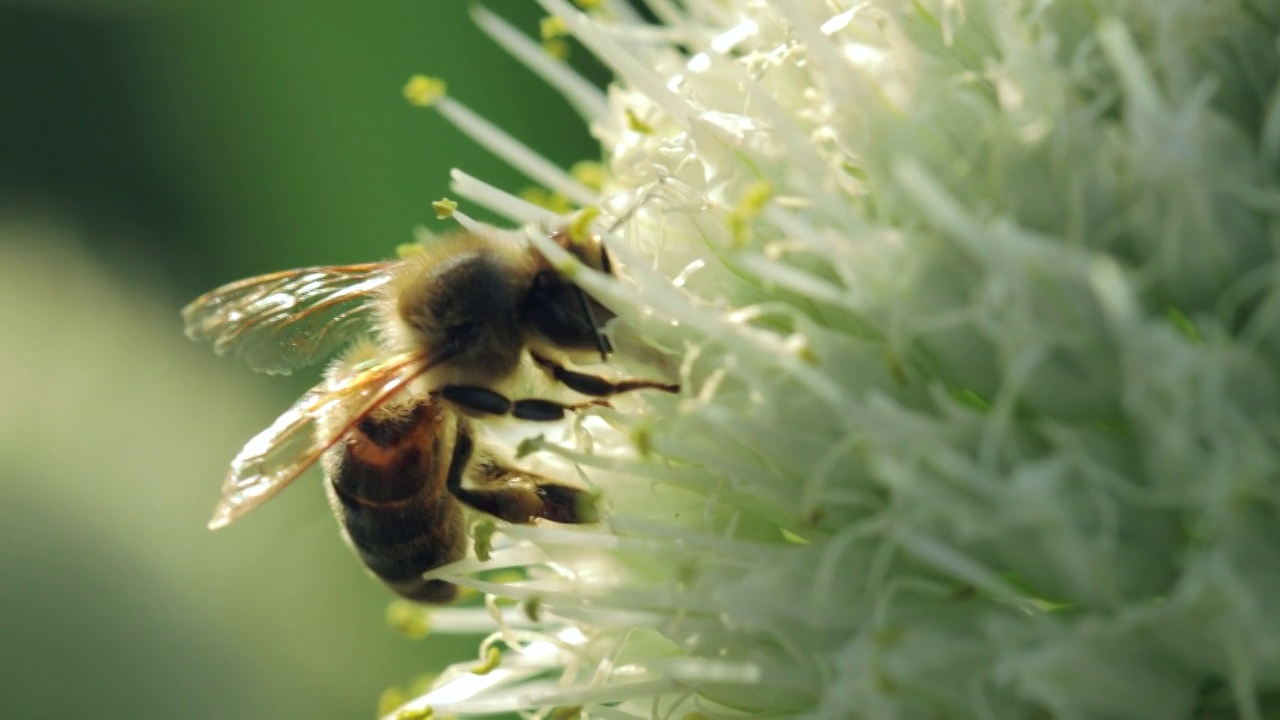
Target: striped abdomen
{"x":386,"y":484}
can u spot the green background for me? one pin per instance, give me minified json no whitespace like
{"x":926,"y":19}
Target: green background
{"x":151,"y":150}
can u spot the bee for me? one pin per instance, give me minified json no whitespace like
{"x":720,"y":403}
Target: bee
{"x":391,"y":422}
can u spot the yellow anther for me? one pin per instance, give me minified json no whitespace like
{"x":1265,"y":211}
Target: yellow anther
{"x":556,"y":48}
{"x":552,"y":27}
{"x":555,"y":202}
{"x":507,"y":577}
{"x":408,"y":619}
{"x":642,"y":439}
{"x":490,"y":663}
{"x":390,"y":699}
{"x":409,"y":249}
{"x":424,"y":91}
{"x":534,"y":195}
{"x":753,"y":200}
{"x":559,"y":204}
{"x":530,"y":445}
{"x":482,"y":536}
{"x":739,"y":230}
{"x":415,"y":714}
{"x":755,"y":197}
{"x":580,"y":226}
{"x":589,"y":173}
{"x":444,"y":208}
{"x":532,"y":607}
{"x":635,"y":124}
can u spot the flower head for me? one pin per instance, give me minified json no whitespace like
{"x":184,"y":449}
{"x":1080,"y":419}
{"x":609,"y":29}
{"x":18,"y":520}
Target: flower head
{"x":975,"y":309}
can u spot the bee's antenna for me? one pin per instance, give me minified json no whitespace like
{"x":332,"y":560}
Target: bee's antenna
{"x":602,"y":342}
{"x":606,"y":265}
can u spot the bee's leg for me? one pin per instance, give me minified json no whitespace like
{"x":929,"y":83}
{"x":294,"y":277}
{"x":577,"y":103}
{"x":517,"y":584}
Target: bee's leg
{"x":595,"y":385}
{"x":513,"y":495}
{"x":481,"y":400}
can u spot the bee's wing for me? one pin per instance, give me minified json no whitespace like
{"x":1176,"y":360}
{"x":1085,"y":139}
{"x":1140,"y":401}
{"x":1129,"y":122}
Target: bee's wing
{"x":285,"y":320}
{"x":297,"y":439}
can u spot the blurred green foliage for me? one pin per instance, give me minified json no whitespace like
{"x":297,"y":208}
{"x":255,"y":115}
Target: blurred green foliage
{"x":150,"y":150}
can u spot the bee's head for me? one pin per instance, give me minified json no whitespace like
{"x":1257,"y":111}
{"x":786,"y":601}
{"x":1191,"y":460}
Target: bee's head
{"x":563,"y":313}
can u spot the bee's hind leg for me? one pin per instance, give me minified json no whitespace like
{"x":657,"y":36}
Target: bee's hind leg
{"x":513,"y":495}
{"x":595,"y":385}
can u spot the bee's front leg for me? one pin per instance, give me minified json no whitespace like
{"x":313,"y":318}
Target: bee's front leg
{"x":483,"y":401}
{"x":596,"y":385}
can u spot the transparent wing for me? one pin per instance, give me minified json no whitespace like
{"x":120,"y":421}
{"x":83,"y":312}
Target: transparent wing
{"x":288,"y":319}
{"x":297,"y":439}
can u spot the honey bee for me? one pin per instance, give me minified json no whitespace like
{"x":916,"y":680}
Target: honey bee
{"x":391,"y":421}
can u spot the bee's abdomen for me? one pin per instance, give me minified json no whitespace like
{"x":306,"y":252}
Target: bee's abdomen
{"x":386,"y":486}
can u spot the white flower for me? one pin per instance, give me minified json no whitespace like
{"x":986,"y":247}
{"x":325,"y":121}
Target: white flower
{"x":976,"y":310}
